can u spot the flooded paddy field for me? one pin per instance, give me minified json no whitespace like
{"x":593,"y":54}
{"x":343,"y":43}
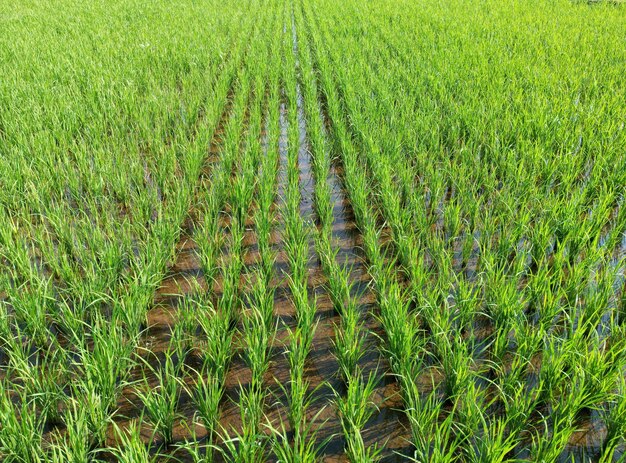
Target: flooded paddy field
{"x":312,"y":231}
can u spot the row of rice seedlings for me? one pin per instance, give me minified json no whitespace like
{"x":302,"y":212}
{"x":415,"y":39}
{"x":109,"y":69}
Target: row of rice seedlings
{"x":258,"y":327}
{"x":259,"y":323}
{"x":263,"y":293}
{"x":299,"y":443}
{"x":355,"y":406}
{"x":218,"y":326}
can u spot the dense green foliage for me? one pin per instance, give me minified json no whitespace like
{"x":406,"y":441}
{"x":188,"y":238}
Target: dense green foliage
{"x":176,"y":184}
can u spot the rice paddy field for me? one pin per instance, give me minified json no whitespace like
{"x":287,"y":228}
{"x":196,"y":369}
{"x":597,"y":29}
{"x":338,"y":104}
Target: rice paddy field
{"x":312,"y":231}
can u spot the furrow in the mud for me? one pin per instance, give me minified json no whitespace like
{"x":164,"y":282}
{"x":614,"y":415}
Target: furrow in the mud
{"x":282,"y":155}
{"x":322,"y":366}
{"x":347,"y":241}
{"x":304,"y":164}
{"x":390,"y":421}
{"x":284,"y":310}
{"x":277,"y":376}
